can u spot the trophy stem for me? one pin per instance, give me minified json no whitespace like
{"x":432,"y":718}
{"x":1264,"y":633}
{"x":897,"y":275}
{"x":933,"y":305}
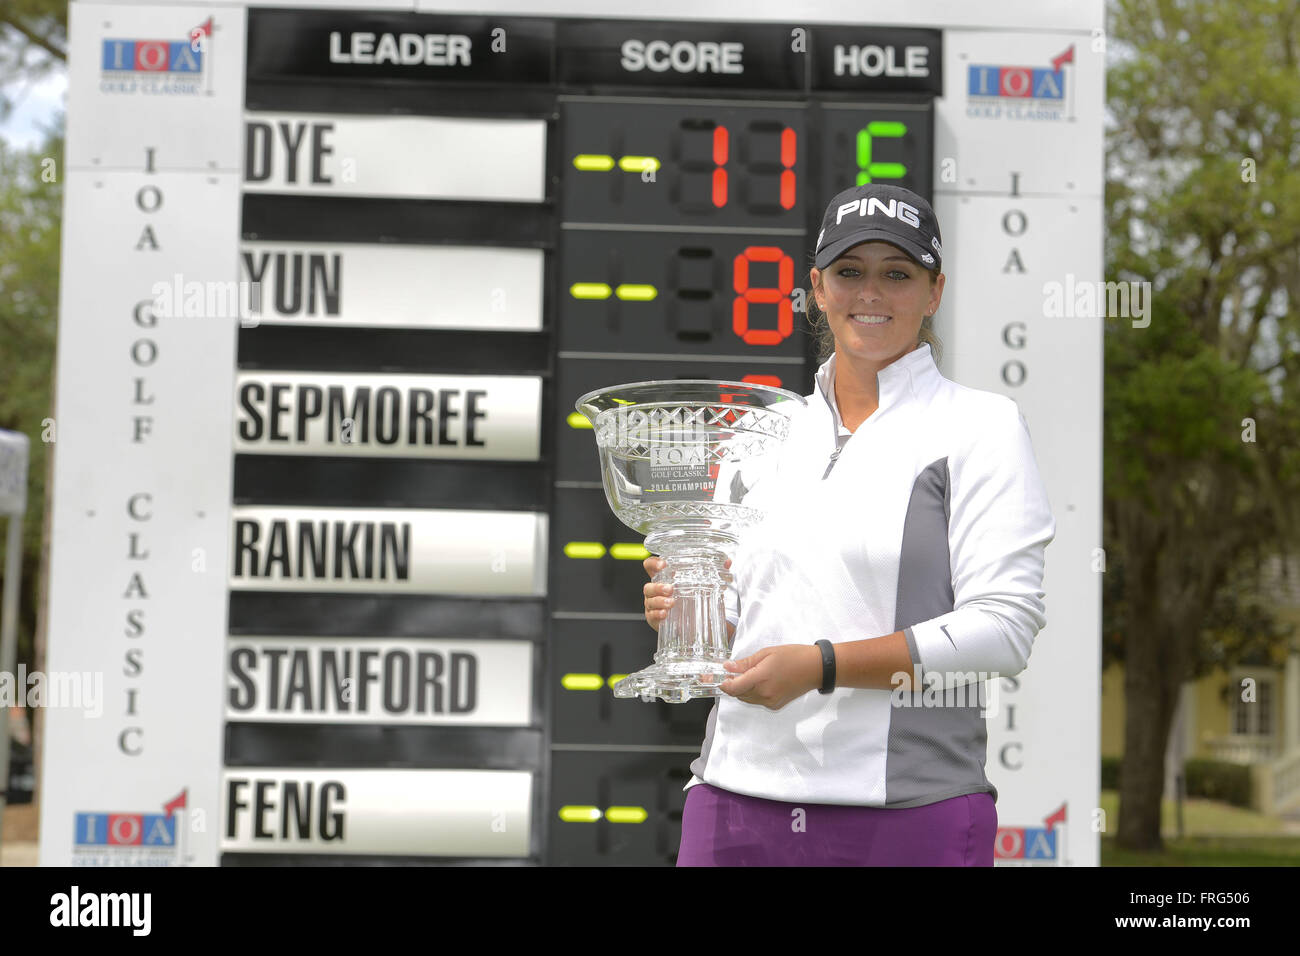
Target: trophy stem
{"x":693,"y":639}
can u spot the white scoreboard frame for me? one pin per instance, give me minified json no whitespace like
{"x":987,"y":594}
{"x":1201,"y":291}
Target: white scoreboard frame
{"x":1018,"y":191}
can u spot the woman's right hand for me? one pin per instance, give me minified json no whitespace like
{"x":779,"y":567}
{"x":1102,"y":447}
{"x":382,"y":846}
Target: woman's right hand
{"x":658,"y":597}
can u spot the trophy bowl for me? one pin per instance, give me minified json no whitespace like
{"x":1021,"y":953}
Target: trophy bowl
{"x":679,"y":461}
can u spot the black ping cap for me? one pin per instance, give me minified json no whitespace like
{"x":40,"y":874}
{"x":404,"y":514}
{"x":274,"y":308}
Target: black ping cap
{"x":886,"y":213}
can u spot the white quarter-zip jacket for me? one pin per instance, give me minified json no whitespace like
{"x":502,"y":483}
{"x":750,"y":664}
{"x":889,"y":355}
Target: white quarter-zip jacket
{"x":931,"y":518}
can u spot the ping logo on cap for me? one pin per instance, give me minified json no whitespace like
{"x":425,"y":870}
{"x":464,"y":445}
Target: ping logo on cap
{"x":895,"y":209}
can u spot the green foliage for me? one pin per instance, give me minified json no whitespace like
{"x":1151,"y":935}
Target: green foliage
{"x":29,"y":284}
{"x":1217,"y":780}
{"x":1172,"y":402}
{"x":1213,"y":779}
{"x":33,"y":41}
{"x":1203,"y":201}
{"x":1202,"y":407}
{"x":1110,"y":772}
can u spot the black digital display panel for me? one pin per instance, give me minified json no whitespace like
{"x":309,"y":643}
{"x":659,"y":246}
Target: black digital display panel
{"x":888,"y":143}
{"x":590,"y":656}
{"x":683,"y":164}
{"x":685,"y":293}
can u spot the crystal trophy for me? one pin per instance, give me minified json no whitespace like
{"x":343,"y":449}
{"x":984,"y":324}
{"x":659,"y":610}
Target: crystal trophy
{"x":680,"y":461}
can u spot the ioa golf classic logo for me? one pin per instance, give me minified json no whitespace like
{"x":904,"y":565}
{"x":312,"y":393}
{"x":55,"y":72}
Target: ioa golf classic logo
{"x":159,"y":67}
{"x":1032,"y":846}
{"x":132,"y":839}
{"x":1021,"y":92}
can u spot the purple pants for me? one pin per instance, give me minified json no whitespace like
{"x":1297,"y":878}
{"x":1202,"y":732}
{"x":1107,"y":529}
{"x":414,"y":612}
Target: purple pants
{"x":721,"y":828}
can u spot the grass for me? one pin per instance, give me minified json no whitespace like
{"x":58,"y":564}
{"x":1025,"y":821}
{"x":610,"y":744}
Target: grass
{"x":1209,"y":851}
{"x":1214,"y":834}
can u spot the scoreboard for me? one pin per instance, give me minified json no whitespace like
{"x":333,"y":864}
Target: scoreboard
{"x":333,"y":279}
{"x":520,"y":210}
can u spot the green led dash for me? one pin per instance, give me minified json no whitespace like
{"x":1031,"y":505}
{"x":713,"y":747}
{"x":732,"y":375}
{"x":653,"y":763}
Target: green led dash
{"x":882,"y":171}
{"x":625,"y":814}
{"x":637,"y":164}
{"x":590,"y":290}
{"x":579,"y":814}
{"x":593,"y":162}
{"x":636,"y":293}
{"x":581,"y":682}
{"x":628,"y":552}
{"x":584,"y":549}
{"x":891,"y":128}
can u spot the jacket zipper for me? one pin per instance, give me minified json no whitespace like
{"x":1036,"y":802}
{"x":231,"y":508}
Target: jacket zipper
{"x":838,"y":447}
{"x":835,"y":455}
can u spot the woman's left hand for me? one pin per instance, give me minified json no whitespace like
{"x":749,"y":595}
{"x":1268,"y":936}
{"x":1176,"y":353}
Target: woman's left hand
{"x":775,"y":675}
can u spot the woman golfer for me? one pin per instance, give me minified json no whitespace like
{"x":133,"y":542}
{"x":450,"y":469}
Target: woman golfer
{"x":898,"y":568}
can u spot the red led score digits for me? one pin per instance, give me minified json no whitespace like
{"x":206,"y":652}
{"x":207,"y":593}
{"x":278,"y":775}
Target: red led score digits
{"x":701,"y":292}
{"x":722,"y":152}
{"x":780,"y":296}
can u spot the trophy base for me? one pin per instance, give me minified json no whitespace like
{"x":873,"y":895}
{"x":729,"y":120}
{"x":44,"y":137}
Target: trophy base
{"x":675,"y":682}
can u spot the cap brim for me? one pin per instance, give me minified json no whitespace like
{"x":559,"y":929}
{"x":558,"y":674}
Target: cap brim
{"x":840,"y":246}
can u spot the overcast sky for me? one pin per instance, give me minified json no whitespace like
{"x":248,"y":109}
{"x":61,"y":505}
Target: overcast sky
{"x":35,"y":107}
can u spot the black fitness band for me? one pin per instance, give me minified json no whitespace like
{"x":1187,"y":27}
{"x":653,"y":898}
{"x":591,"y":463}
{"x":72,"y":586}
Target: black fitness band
{"x":828,"y":666}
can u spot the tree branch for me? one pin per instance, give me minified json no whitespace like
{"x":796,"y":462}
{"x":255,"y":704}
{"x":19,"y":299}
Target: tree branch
{"x":1288,"y":51}
{"x":1256,"y":321}
{"x":43,"y":42}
